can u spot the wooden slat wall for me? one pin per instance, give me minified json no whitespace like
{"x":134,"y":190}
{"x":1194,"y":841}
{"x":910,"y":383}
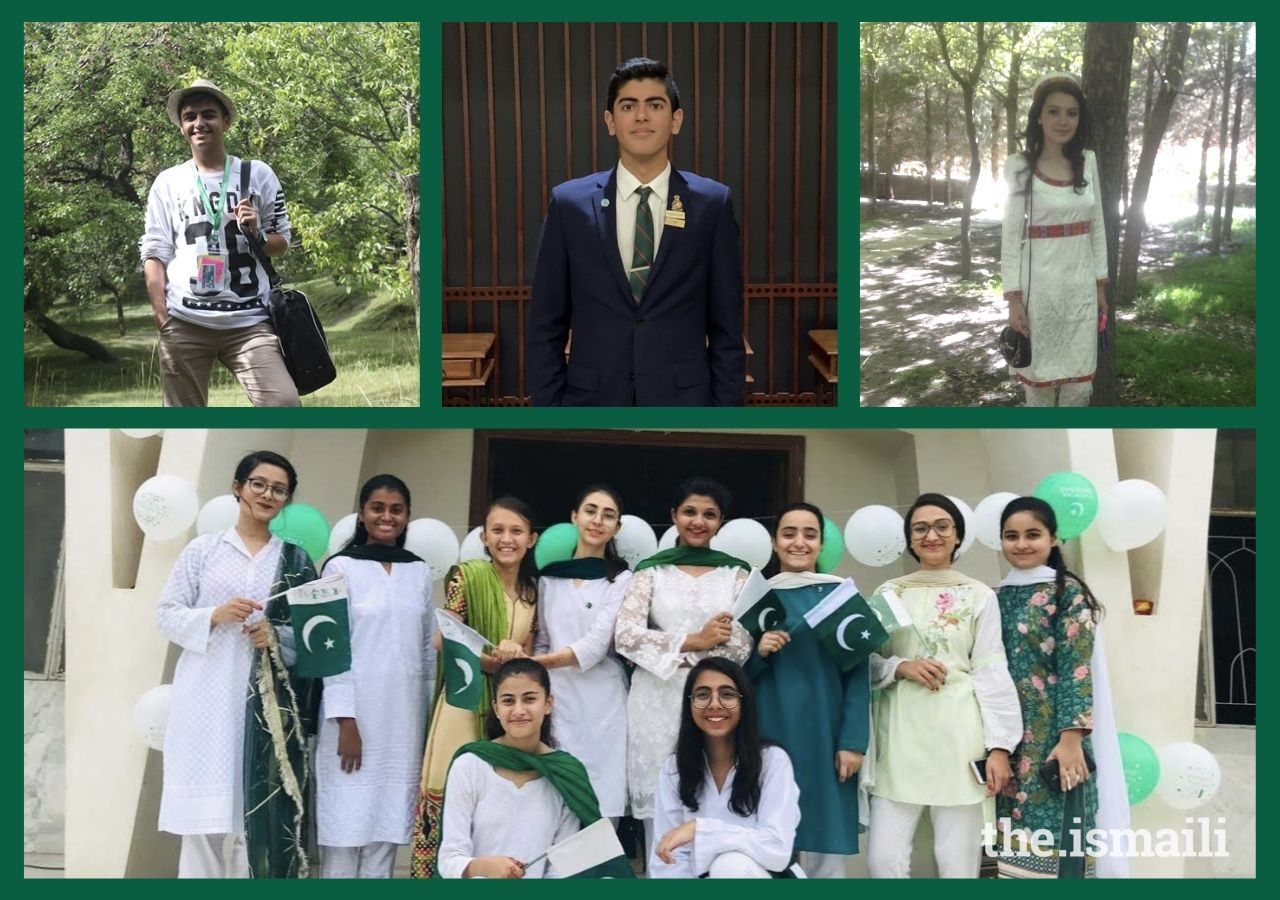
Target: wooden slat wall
{"x":523,"y":111}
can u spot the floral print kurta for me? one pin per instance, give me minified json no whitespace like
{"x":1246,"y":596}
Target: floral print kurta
{"x":1048,"y":645}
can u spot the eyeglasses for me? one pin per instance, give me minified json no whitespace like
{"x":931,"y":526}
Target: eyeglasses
{"x":258,"y":486}
{"x":942,"y":528}
{"x":701,"y":698}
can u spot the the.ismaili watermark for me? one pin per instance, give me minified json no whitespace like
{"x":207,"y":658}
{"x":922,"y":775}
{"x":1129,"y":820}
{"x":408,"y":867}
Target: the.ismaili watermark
{"x":1202,"y":837}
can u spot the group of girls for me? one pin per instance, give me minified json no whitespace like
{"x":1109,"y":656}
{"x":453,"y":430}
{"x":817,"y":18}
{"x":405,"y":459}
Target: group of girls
{"x":741,"y":758}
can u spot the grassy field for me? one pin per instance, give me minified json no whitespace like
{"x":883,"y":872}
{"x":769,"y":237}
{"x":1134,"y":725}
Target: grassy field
{"x":371,"y":338}
{"x":1190,"y":339}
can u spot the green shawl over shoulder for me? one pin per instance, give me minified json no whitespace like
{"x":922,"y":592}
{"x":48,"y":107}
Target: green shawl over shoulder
{"x":280,"y":713}
{"x":691,"y":556}
{"x":567,"y":775}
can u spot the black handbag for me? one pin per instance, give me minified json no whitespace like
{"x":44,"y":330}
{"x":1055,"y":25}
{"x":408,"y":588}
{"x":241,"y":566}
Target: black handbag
{"x":1015,"y":346}
{"x":294,"y":320}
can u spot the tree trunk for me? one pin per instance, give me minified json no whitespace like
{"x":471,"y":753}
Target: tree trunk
{"x":995,"y":138}
{"x":1011,"y":122}
{"x":928,"y":143}
{"x":119,"y":298}
{"x":1202,"y":187}
{"x":870,"y":129}
{"x":946,"y":142}
{"x":1164,"y":95}
{"x":1108,"y":64}
{"x":1235,"y":133}
{"x":412,"y":230}
{"x":1224,"y":116}
{"x":69,"y":340}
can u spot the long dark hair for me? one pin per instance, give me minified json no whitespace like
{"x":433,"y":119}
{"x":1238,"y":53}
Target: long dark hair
{"x":942,"y":501}
{"x":528,"y":572}
{"x":1033,"y":136}
{"x":391,"y":482}
{"x":509,"y":669}
{"x":774,"y":566}
{"x":691,"y":744}
{"x":1044,"y":514}
{"x":613,"y":561}
{"x":251,"y":461}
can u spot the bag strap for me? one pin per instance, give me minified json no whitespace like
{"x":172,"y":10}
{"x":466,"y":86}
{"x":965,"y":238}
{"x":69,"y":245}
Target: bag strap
{"x":254,"y":244}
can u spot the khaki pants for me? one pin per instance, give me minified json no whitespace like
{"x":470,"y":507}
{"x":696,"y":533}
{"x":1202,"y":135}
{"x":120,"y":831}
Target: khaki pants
{"x":188,"y":352}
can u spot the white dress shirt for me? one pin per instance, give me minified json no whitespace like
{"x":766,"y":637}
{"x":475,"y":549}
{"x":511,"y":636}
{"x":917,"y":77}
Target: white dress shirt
{"x":628,"y":200}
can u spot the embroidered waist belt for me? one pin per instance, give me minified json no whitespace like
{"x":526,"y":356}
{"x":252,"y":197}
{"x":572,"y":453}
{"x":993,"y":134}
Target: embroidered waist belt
{"x":1056,"y":231}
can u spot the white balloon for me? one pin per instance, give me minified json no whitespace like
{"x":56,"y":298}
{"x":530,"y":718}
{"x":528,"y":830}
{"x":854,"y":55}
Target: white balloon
{"x":635,"y":540}
{"x":986,"y":518}
{"x":1131,"y":513}
{"x":472,"y":545}
{"x":435,"y":542}
{"x":151,"y":715}
{"x":342,"y":532}
{"x":1189,"y":775}
{"x":967,"y":512}
{"x":165,"y":506}
{"x":746,"y":539}
{"x":141,"y":432}
{"x":218,"y":514}
{"x":873,"y":535}
{"x":668,"y":539}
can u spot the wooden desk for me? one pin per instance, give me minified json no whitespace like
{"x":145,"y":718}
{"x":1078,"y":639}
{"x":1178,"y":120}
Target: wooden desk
{"x":466,"y":361}
{"x":824,"y":354}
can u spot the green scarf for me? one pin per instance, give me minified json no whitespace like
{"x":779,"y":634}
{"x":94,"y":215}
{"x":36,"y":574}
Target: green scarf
{"x":564,"y":773}
{"x":280,"y":713}
{"x":691,"y":556}
{"x":588,"y":568}
{"x":378,"y":553}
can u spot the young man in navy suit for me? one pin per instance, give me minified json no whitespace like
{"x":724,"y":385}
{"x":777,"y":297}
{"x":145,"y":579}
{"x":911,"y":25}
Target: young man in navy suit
{"x":642,"y":264}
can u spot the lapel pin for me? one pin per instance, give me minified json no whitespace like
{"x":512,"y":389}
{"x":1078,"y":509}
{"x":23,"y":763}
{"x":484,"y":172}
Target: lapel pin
{"x":604,"y":201}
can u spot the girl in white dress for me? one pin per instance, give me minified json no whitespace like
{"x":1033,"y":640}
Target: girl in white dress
{"x":373,"y":717}
{"x":727,"y":805}
{"x":1054,"y":247}
{"x":578,"y":603}
{"x":675,"y":613}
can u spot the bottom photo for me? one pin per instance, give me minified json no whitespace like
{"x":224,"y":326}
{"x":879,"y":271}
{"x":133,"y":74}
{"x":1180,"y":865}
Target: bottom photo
{"x":470,"y":653}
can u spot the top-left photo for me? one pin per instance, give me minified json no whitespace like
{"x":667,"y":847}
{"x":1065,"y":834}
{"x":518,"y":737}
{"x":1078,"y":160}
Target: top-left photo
{"x":221,"y":214}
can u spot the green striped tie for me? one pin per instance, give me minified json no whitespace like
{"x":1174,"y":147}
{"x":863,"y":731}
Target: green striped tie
{"x":642,"y":255}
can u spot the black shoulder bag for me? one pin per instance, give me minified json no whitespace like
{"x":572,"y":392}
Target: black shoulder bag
{"x":302,"y":340}
{"x":1015,"y":346}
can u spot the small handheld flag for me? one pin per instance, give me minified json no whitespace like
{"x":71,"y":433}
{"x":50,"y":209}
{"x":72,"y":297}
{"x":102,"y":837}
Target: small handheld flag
{"x":593,"y":846}
{"x":463,"y":646}
{"x":758,"y":608}
{"x":318,"y":612}
{"x":846,"y":626}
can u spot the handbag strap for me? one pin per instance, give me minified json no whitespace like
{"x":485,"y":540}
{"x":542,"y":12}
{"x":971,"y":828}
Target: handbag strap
{"x":254,"y":244}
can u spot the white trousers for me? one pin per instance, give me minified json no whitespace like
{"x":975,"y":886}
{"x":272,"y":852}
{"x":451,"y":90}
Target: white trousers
{"x":823,"y":865}
{"x":1076,"y":394}
{"x":376,"y":860}
{"x":736,"y":865}
{"x":957,"y":837}
{"x":213,"y":856}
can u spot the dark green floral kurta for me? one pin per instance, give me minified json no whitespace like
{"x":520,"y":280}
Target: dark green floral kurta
{"x":1049,"y":646}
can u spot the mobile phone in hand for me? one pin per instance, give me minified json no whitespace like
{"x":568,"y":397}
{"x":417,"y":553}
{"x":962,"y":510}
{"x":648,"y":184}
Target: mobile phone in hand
{"x":979,"y":769}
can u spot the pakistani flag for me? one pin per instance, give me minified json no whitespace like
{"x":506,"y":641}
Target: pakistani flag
{"x":321,"y":627}
{"x":758,"y":608}
{"x":463,"y":684}
{"x":846,"y":625}
{"x":889,"y":610}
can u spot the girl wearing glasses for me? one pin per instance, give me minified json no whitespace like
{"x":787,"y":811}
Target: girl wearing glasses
{"x":945,"y":700}
{"x":578,"y":602}
{"x":235,"y":641}
{"x":496,"y":597}
{"x":727,"y":804}
{"x":676,"y":611}
{"x":807,"y":704}
{"x":373,"y":717}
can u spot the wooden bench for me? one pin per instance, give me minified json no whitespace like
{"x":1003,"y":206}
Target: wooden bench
{"x":467,"y":360}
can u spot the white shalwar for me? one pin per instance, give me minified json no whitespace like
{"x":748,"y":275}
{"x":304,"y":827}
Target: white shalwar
{"x":204,"y":739}
{"x":487,"y":815}
{"x":662,"y":607}
{"x":385,"y":691}
{"x":766,"y":838}
{"x":590,"y":719}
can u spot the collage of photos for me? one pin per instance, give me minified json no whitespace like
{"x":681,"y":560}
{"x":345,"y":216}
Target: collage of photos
{"x":893,"y":631}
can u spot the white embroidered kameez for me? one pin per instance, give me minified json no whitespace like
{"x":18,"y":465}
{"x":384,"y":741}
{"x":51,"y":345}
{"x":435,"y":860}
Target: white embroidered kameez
{"x":590,"y":720}
{"x":385,"y":691}
{"x":662,"y":607}
{"x":204,"y":740}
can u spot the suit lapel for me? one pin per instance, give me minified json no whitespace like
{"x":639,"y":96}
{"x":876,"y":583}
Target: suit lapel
{"x":604,"y":201}
{"x":670,"y":235}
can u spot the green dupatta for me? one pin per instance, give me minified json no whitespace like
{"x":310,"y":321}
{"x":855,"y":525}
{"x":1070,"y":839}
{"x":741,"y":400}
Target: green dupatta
{"x":280,"y":713}
{"x":691,"y":556}
{"x":564,"y":773}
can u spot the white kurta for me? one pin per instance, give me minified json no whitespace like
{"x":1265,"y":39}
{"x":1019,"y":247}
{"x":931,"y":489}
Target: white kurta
{"x":386,"y":693}
{"x":487,"y":815}
{"x":590,"y":720}
{"x":204,"y":739}
{"x":767,"y":836}
{"x":663,"y":606}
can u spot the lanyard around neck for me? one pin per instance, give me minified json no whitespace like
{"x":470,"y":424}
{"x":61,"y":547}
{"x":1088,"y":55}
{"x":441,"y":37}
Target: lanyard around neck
{"x":215,"y":215}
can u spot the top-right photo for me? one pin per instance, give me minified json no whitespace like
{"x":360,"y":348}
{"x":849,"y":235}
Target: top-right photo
{"x":1058,"y":214}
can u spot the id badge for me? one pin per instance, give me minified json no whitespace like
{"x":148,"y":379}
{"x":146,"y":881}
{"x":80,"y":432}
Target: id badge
{"x":211,"y":270}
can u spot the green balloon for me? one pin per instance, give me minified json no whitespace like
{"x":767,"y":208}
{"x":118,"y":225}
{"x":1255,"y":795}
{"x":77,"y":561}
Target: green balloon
{"x":303,"y":525}
{"x":1141,"y":767}
{"x":1074,"y":500}
{"x":555,"y":544}
{"x":832,"y":546}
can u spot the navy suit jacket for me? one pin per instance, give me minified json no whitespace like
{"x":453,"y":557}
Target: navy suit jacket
{"x":681,"y":345}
